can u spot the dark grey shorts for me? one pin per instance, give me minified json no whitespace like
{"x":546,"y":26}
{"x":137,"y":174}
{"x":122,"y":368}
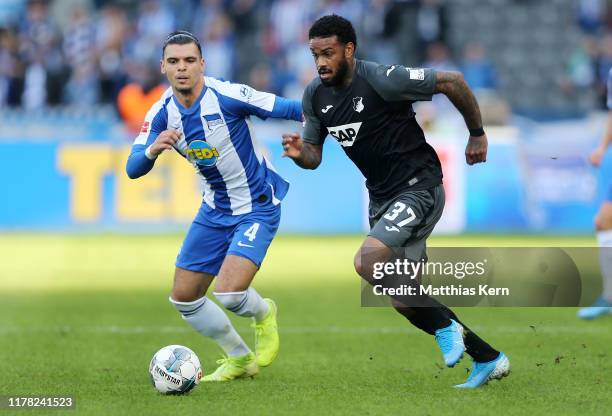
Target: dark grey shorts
{"x":407,"y":220}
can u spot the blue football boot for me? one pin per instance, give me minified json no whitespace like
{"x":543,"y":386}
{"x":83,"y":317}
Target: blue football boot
{"x":483,"y":372}
{"x":600,"y":308}
{"x":450,"y":340}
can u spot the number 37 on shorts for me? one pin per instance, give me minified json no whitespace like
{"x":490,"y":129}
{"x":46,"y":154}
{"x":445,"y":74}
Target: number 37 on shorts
{"x":399,"y":215}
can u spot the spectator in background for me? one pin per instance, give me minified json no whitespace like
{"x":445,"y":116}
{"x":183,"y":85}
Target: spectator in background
{"x":352,"y":10}
{"x":431,"y":23}
{"x":246,"y":15}
{"x":39,"y":44}
{"x":377,"y":33}
{"x":260,"y":77}
{"x":604,"y":65}
{"x":288,"y":20}
{"x":589,"y":14}
{"x":205,"y":14}
{"x":218,"y":47}
{"x":580,"y":76}
{"x":477,"y":69}
{"x":111,"y":32}
{"x":12,"y":70}
{"x":439,"y":58}
{"x":154,"y":22}
{"x":79,"y":51}
{"x":480,"y":74}
{"x":143,"y":90}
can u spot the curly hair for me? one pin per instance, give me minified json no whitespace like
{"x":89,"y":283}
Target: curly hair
{"x":331,"y":25}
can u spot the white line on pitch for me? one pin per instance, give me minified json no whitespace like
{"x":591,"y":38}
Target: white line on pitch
{"x":297,"y":330}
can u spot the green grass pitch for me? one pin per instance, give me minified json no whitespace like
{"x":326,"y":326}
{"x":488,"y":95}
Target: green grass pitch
{"x":82,"y":315}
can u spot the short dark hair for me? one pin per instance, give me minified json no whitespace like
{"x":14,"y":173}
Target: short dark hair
{"x":331,"y":25}
{"x":181,"y":37}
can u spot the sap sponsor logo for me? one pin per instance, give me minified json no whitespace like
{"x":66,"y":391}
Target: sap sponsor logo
{"x":202,"y":153}
{"x":213,"y":121}
{"x":358,"y":104}
{"x":345,"y":134}
{"x":145,"y":127}
{"x":167,"y":376}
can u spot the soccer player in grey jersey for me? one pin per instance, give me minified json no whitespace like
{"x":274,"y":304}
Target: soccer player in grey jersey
{"x":367,"y":108}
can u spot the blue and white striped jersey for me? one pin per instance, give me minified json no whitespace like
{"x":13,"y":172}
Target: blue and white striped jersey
{"x":217,"y":137}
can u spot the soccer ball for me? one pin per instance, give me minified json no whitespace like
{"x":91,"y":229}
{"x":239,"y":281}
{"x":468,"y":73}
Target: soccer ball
{"x":175,"y":370}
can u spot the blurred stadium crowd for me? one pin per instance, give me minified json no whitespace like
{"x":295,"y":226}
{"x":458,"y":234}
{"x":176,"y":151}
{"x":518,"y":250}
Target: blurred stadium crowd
{"x":89,"y":52}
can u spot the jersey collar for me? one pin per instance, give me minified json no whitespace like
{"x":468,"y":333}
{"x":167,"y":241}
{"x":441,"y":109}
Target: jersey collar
{"x":196,"y":103}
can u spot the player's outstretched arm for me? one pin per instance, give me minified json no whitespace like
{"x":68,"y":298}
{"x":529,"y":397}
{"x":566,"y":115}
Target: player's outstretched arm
{"x":598,"y":154}
{"x":142,"y":158}
{"x":453,"y":85}
{"x":305,"y":155}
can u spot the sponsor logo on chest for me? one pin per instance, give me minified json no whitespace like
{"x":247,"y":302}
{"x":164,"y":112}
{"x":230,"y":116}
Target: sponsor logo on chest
{"x":345,"y":134}
{"x":201,"y":153}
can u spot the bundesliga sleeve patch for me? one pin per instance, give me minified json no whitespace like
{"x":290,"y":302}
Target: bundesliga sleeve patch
{"x":145,"y":127}
{"x":418,"y":74}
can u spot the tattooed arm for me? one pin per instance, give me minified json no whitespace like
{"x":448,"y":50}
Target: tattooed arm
{"x":456,"y":89}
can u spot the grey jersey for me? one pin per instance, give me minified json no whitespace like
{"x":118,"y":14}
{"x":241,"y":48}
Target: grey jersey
{"x":375,"y":124}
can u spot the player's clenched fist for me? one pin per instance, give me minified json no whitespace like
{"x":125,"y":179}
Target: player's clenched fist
{"x":597,"y":156}
{"x":292,"y":145}
{"x":476,"y":149}
{"x":164,"y":141}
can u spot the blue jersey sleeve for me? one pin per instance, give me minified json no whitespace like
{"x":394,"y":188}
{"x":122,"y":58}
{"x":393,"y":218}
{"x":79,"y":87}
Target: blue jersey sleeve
{"x":244,"y":101}
{"x":138,"y":164}
{"x":287,"y":109}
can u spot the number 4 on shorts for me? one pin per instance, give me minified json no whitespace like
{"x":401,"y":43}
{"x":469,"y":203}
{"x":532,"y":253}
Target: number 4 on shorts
{"x":251,"y":233}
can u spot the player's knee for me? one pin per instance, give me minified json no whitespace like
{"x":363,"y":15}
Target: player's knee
{"x":363,"y":267}
{"x":603,"y":219}
{"x":358,"y":264}
{"x":183,"y":295}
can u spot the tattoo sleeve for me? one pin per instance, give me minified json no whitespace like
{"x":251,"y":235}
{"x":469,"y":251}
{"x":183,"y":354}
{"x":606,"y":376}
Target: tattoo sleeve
{"x":456,"y":89}
{"x":310,"y":156}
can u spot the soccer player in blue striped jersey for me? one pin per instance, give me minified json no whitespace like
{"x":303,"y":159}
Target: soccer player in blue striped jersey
{"x":206,"y":121}
{"x":603,"y":224}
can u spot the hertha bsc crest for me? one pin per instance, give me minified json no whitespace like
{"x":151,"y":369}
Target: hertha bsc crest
{"x":358,"y":104}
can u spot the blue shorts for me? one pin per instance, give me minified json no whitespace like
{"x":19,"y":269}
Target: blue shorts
{"x":214,"y":235}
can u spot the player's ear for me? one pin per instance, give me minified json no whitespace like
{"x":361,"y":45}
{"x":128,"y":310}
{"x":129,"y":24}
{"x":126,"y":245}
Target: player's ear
{"x":349,"y":50}
{"x":162,"y":66}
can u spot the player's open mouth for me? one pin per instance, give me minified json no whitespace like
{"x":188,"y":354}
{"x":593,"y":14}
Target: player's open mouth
{"x":325,"y":75}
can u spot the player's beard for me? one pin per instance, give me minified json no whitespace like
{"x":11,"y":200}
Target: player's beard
{"x":185,"y":90}
{"x":341,"y":74}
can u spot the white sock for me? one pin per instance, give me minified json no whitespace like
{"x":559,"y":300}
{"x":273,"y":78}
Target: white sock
{"x":604,"y":238}
{"x":208,"y":319}
{"x":247,"y":303}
